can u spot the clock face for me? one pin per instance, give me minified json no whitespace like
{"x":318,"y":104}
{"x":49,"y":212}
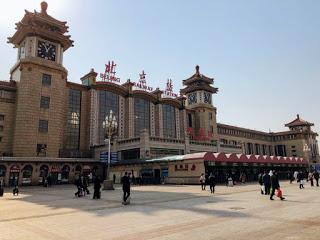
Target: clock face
{"x":46,"y":50}
{"x":207,"y":97}
{"x":192,"y":98}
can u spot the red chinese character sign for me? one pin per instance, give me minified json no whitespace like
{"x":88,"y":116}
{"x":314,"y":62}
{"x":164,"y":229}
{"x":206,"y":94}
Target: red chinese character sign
{"x":201,"y":136}
{"x":168,"y":92}
{"x":109,"y":74}
{"x":142,"y":84}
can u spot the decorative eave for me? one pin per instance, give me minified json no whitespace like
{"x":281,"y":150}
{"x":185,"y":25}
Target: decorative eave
{"x":8,"y":85}
{"x":205,"y":87}
{"x":197,"y":77}
{"x":171,"y":101}
{"x":77,"y":86}
{"x":145,"y":95}
{"x":298,"y":122}
{"x":112,"y":87}
{"x":41,"y":24}
{"x":92,"y":73}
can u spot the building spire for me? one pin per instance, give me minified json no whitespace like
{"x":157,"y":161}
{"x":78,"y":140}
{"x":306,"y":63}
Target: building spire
{"x":197,"y":70}
{"x":44,"y":6}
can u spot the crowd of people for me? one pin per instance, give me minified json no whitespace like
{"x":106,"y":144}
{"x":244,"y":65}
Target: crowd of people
{"x":270,"y":185}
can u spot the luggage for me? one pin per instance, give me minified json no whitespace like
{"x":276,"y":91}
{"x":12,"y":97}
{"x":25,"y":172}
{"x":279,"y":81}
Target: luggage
{"x":279,"y":193}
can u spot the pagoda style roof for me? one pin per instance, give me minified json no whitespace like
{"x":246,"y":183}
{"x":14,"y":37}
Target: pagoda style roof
{"x":199,"y":86}
{"x":42,"y":24}
{"x":197,"y":77}
{"x":298,"y":122}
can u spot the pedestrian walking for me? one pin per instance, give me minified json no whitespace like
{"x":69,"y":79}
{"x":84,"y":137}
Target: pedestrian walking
{"x":126,"y":189}
{"x":260,"y":181}
{"x":311,"y":178}
{"x":85,"y":185}
{"x":291,"y":178}
{"x":300,"y":180}
{"x":114,"y":178}
{"x":96,"y":188}
{"x":15,"y":190}
{"x":316,"y":177}
{"x":275,"y":186}
{"x":212,"y":182}
{"x":78,"y":183}
{"x":203,"y":182}
{"x":266,"y":182}
{"x":1,"y":186}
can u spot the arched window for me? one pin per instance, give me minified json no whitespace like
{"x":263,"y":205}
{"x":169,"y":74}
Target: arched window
{"x":27,"y":171}
{"x":3,"y":170}
{"x":44,"y":169}
{"x":107,"y":101}
{"x":169,"y":121}
{"x":78,"y":168}
{"x":141,"y":115}
{"x":65,"y":174}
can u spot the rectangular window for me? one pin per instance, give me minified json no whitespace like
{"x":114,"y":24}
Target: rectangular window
{"x":45,"y":102}
{"x":210,"y":115}
{"x":189,"y":120}
{"x":293,"y":146}
{"x":43,"y":126}
{"x":1,"y":117}
{"x":74,"y":119}
{"x":1,"y":128}
{"x":46,"y":80}
{"x":0,"y":139}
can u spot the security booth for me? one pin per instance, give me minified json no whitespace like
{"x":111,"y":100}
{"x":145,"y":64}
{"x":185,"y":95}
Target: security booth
{"x":27,"y":175}
{"x":14,"y":175}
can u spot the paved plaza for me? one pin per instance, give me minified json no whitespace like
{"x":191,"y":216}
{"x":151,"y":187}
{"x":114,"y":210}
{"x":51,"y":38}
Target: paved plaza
{"x":161,"y":212}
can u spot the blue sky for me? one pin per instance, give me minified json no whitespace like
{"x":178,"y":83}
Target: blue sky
{"x":264,"y":55}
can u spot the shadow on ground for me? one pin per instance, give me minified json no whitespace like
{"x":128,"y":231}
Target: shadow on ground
{"x":147,"y":200}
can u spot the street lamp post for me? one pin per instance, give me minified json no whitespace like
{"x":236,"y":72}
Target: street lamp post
{"x":110,"y":126}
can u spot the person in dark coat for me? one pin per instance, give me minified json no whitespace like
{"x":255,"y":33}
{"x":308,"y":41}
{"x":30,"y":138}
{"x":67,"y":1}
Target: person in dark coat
{"x":96,"y":187}
{"x":1,"y":186}
{"x":125,"y":188}
{"x":316,"y":177}
{"x":266,"y":182}
{"x":78,"y":183}
{"x":275,"y":185}
{"x":300,"y":180}
{"x":114,"y":178}
{"x":212,"y":182}
{"x":86,"y":184}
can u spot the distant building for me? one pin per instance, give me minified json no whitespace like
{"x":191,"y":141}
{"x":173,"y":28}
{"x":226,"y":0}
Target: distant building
{"x":48,"y":124}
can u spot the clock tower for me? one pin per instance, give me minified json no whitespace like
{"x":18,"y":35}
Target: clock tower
{"x":201,"y":114}
{"x":41,"y":84}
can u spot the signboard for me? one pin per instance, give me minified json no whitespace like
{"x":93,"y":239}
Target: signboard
{"x":113,"y":157}
{"x":142,"y":84}
{"x":168,"y":92}
{"x":109,"y":74}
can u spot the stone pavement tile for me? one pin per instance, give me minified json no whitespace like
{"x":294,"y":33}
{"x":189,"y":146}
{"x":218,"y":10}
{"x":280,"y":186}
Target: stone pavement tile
{"x":162,"y":212}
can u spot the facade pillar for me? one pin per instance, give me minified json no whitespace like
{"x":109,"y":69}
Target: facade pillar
{"x":131,"y":117}
{"x":121,"y":123}
{"x":94,"y":118}
{"x":160,"y":120}
{"x":177,"y":113}
{"x":144,"y":145}
{"x":152,"y":118}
